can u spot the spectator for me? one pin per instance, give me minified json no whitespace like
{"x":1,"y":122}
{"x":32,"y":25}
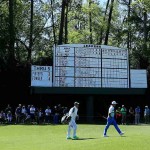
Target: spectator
{"x":23,"y":113}
{"x":28,"y":109}
{"x":146,"y":114}
{"x":2,"y":117}
{"x":118,"y":115}
{"x":131,"y":115}
{"x":137,"y":115}
{"x":28,"y":116}
{"x":56,"y":114}
{"x":36,"y":115}
{"x":40,"y":116}
{"x":60,"y":112}
{"x":48,"y":114}
{"x":18,"y":113}
{"x":65,"y":110}
{"x":123,"y":114}
{"x":9,"y":117}
{"x":32,"y":113}
{"x":8,"y":108}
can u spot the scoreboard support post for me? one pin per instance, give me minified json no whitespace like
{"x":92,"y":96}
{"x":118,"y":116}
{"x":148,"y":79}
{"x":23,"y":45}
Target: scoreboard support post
{"x":90,"y":108}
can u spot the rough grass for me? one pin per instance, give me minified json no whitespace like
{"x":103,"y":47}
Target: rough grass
{"x":50,"y":137}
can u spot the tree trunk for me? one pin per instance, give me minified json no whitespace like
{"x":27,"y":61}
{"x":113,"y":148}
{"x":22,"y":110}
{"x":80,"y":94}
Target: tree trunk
{"x":90,"y":22}
{"x":53,"y":24}
{"x":109,"y":23}
{"x":11,"y":60}
{"x":129,"y":38}
{"x":66,"y":22}
{"x":31,"y":34}
{"x":129,"y":26}
{"x":60,"y":40}
{"x":145,"y":32}
{"x":104,"y":18}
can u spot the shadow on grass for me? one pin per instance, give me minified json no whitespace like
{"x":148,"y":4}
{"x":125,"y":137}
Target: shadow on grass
{"x":86,"y":138}
{"x":116,"y":136}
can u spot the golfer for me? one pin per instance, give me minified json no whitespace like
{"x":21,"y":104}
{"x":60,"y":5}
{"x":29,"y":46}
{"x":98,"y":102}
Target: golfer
{"x":111,"y":120}
{"x":72,"y":124}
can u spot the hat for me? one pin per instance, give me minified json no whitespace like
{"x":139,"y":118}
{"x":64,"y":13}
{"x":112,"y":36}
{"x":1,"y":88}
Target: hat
{"x":76,"y":103}
{"x":113,"y":102}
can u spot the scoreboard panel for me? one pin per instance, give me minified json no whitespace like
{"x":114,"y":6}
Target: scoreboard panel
{"x":81,"y":65}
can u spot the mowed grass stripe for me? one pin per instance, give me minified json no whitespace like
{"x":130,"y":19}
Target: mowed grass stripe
{"x":53,"y":137}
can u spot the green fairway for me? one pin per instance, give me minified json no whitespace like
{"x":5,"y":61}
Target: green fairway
{"x":50,"y":137}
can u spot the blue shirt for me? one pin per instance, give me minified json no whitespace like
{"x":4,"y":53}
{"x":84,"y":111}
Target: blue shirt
{"x":137,"y":110}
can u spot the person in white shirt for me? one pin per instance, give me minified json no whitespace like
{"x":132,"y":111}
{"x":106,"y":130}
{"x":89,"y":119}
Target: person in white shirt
{"x":47,"y":114}
{"x":32,"y":113}
{"x":111,"y":120}
{"x":73,"y":113}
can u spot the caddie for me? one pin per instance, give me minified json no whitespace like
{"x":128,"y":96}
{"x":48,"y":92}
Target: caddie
{"x":111,"y":120}
{"x":73,"y":113}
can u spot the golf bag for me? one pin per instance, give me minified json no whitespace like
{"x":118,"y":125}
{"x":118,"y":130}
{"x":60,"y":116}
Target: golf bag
{"x":65,"y":119}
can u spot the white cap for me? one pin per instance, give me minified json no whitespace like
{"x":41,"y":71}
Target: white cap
{"x":113,"y":102}
{"x":76,"y":103}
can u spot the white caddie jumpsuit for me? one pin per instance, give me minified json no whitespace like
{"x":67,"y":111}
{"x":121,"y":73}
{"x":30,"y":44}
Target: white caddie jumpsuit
{"x":72,"y":124}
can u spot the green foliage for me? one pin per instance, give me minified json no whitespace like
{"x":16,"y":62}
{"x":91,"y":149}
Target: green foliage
{"x":78,"y":28}
{"x":79,"y":23}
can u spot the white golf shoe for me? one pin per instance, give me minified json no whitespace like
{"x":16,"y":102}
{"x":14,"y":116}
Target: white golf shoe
{"x":122,"y":133}
{"x":105,"y":136}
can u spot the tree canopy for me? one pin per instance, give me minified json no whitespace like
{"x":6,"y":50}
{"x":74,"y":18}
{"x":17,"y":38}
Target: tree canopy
{"x":30,"y":28}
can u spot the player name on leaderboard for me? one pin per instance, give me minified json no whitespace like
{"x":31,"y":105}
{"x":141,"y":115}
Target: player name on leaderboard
{"x":81,"y":65}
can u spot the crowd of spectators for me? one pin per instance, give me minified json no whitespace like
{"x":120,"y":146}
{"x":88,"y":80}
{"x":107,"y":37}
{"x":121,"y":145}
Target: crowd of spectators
{"x":31,"y":114}
{"x":132,"y":115}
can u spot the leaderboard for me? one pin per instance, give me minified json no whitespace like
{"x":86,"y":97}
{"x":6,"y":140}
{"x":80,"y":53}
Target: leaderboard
{"x":41,"y":76}
{"x":87,"y":65}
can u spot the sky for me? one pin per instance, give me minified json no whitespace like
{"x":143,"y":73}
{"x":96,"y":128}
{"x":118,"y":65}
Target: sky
{"x":101,"y":1}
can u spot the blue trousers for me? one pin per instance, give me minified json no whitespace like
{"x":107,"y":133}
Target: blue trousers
{"x":55,"y":119}
{"x":111,"y":121}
